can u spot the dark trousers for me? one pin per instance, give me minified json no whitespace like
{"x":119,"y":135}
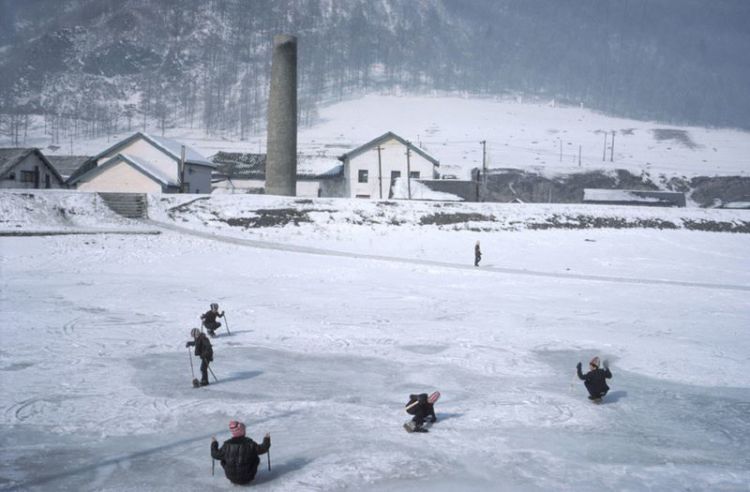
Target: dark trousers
{"x":420,"y":412}
{"x":477,"y":259}
{"x":204,"y":370}
{"x":594,"y":391}
{"x":211,"y":326}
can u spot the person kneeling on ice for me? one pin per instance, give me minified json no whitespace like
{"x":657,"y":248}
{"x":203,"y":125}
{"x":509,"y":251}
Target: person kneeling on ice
{"x":239,"y":455}
{"x":209,"y":319}
{"x":595,"y":379}
{"x":203,"y":350}
{"x":422,"y":407}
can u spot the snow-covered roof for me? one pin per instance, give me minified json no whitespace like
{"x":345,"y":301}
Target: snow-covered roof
{"x":66,"y":165}
{"x":172,"y":148}
{"x":420,"y":191}
{"x":384,"y":138}
{"x":646,"y":197}
{"x":10,"y":157}
{"x":133,"y":161}
{"x":334,"y":172}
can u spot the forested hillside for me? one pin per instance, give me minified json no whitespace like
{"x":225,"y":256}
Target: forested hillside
{"x":93,"y":66}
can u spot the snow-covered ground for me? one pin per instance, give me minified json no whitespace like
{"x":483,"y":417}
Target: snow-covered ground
{"x":325,"y":347}
{"x":539,"y":136}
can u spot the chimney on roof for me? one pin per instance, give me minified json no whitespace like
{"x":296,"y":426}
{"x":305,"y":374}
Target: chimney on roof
{"x":281,"y":146}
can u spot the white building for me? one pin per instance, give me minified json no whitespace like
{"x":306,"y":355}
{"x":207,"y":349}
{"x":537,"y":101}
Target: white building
{"x":370,"y":170}
{"x":144,"y":163}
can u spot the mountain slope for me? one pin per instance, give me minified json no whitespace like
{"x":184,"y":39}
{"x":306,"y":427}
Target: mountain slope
{"x":105,"y":65}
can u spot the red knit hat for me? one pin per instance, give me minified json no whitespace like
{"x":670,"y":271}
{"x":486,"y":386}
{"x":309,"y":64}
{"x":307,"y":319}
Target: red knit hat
{"x":594,"y":362}
{"x":236,"y":428}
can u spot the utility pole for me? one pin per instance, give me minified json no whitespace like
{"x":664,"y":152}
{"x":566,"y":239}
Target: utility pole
{"x":604,"y":154}
{"x":181,"y":170}
{"x":484,"y":170}
{"x":579,"y":156}
{"x":561,"y":150}
{"x":612,"y":150}
{"x":380,"y":172}
{"x":408,"y":168}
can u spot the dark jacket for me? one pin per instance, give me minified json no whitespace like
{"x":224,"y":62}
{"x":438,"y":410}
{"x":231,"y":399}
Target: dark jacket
{"x":595,"y":381}
{"x":423,"y":408}
{"x":239,"y":457}
{"x":210,"y":316}
{"x":203,"y":347}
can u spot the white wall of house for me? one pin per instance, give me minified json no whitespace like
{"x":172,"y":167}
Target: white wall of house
{"x":308,"y":188}
{"x":392,"y":164}
{"x":23,"y":175}
{"x":146,"y":151}
{"x":121,"y":178}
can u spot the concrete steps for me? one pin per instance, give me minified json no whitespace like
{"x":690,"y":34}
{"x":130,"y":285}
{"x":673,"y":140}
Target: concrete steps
{"x":130,"y":205}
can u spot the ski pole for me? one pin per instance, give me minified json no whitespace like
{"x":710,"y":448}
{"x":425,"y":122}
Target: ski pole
{"x":190,"y":358}
{"x":268,"y":455}
{"x":226,"y":323}
{"x":213,"y":464}
{"x":212,"y":373}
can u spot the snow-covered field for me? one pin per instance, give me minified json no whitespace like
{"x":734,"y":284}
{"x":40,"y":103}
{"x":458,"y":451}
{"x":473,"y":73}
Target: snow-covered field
{"x":325,"y":347}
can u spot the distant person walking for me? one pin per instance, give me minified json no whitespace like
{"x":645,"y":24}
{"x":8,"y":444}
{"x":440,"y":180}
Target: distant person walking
{"x":477,"y":254}
{"x":239,"y":455}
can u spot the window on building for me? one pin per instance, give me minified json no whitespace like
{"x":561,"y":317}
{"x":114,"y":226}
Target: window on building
{"x":363,"y":196}
{"x":47,"y":183}
{"x":12,"y":176}
{"x":363,"y":175}
{"x":394,"y":175}
{"x":414,"y":174}
{"x":27,"y":176}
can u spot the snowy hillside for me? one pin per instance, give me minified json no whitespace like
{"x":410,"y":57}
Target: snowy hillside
{"x":520,"y":134}
{"x":334,"y":321}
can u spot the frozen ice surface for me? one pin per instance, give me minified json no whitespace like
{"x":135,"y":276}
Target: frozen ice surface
{"x":324,"y":351}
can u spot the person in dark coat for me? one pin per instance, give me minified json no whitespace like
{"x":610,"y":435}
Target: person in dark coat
{"x":203,"y":350}
{"x":595,"y":379}
{"x":209,"y":319}
{"x":239,"y":455}
{"x":420,"y":407}
{"x":477,"y":254}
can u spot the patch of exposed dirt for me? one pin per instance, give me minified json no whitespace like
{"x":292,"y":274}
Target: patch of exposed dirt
{"x":513,"y":185}
{"x":717,"y":190}
{"x":715,"y":226}
{"x":681,"y":137}
{"x":441,"y":218}
{"x":278,"y":217}
{"x":591,"y":222}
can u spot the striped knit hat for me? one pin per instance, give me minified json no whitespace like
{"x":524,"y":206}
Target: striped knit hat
{"x":594,"y":362}
{"x":195,"y":332}
{"x":236,"y":428}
